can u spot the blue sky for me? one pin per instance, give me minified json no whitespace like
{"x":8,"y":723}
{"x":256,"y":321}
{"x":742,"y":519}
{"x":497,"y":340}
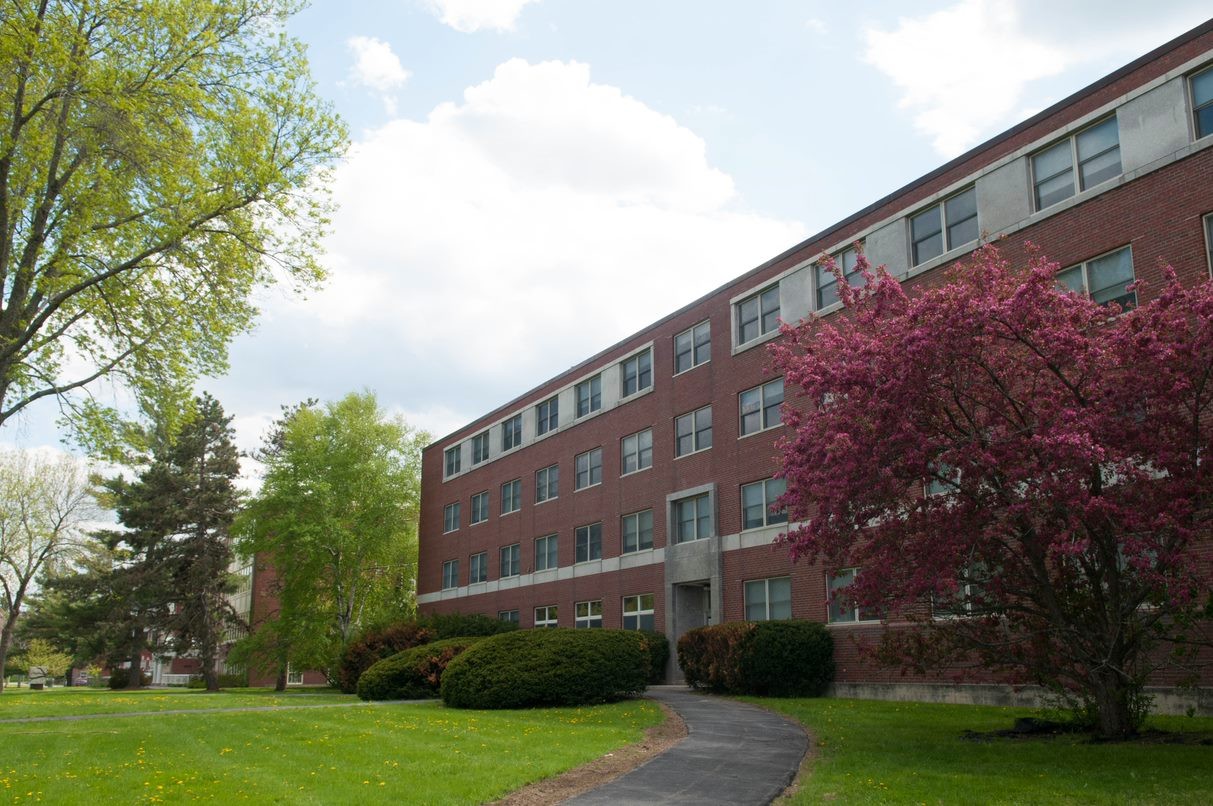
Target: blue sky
{"x":532,"y":180}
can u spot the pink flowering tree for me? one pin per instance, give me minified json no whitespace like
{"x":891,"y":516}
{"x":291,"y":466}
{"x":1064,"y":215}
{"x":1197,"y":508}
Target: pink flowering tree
{"x":1016,"y":472}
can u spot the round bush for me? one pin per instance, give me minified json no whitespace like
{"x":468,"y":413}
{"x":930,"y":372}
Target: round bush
{"x":547,"y":667}
{"x":413,"y":674}
{"x":766,"y":658}
{"x":463,"y":625}
{"x":657,"y":647}
{"x":373,"y":646}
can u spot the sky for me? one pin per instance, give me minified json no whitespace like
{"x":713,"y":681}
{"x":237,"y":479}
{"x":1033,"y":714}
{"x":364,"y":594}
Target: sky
{"x":529,"y":181}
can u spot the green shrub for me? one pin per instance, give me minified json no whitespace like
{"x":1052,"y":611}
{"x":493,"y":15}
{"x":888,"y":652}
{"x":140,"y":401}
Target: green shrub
{"x":413,"y":674}
{"x":120,"y":677}
{"x":225,"y":681}
{"x":464,"y":625}
{"x":547,"y":667}
{"x":657,"y":648}
{"x":373,"y":646}
{"x":765,"y":658}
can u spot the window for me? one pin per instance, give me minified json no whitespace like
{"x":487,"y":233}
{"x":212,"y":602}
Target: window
{"x":1096,"y":152}
{"x":589,"y":396}
{"x":588,"y":469}
{"x":1209,"y":239}
{"x":1202,"y":102}
{"x":480,"y":507}
{"x":842,"y":609}
{"x":768,"y":599}
{"x":511,"y":560}
{"x":587,"y":614}
{"x":638,"y":612}
{"x":942,"y":480}
{"x":545,"y":553}
{"x":693,"y":518}
{"x":450,"y":517}
{"x":545,"y":616}
{"x":294,"y":677}
{"x":966,"y":601}
{"x":588,"y":543}
{"x":547,"y":415}
{"x":547,"y":483}
{"x":827,"y":284}
{"x":693,"y":431}
{"x":479,"y":570}
{"x":511,"y":433}
{"x":480,"y":448}
{"x":508,"y":615}
{"x":1105,"y":279}
{"x":758,"y":502}
{"x":944,"y":226}
{"x":637,"y":452}
{"x":758,"y":314}
{"x":450,"y":574}
{"x":453,"y":460}
{"x":637,"y":373}
{"x":511,"y":496}
{"x":693,"y":347}
{"x":760,"y":406}
{"x":638,"y":531}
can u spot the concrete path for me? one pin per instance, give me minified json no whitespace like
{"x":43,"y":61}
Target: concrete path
{"x":733,"y":754}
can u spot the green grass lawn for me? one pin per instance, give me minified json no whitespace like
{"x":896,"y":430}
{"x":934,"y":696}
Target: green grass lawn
{"x":63,"y":701}
{"x":410,"y":753}
{"x":885,"y":752}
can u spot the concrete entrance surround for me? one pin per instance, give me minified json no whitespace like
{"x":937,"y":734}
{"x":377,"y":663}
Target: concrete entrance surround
{"x":734,"y":753}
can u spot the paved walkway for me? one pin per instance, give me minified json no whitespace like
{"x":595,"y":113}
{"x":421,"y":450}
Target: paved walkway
{"x":733,"y":754}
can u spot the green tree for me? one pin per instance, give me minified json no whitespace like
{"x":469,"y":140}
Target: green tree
{"x":40,"y":653}
{"x":43,"y":503}
{"x":336,"y":518}
{"x":158,"y":161}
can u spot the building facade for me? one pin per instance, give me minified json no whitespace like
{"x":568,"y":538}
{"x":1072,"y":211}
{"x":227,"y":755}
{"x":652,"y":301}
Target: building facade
{"x":632,"y":490}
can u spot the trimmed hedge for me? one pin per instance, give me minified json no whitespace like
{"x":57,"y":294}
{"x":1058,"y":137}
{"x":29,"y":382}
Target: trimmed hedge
{"x":765,"y":658}
{"x":547,"y":667}
{"x":413,"y":674}
{"x":379,"y":643}
{"x":657,"y":647}
{"x":120,"y":677}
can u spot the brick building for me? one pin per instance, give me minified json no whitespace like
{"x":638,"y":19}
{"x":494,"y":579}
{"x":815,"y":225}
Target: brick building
{"x":632,"y":490}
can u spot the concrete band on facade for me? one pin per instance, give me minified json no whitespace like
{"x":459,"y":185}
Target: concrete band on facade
{"x":1160,"y":206}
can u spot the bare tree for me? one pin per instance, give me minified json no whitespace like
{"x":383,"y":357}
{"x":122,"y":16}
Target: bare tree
{"x":44,"y":502}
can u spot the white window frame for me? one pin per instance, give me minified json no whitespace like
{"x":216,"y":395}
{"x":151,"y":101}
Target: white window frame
{"x":510,"y":560}
{"x":763,"y":406}
{"x":480,"y":448}
{"x":480,"y":506}
{"x":453,"y":460}
{"x":700,"y":531}
{"x":857,"y":616}
{"x":478,"y":568}
{"x":768,"y":517}
{"x":550,"y":619}
{"x":593,"y":396}
{"x":693,"y":336}
{"x":946,"y":226}
{"x":1084,"y":269}
{"x":592,"y":617}
{"x":590,"y":466}
{"x":545,"y":541}
{"x":757,"y":298}
{"x":294,"y":677}
{"x":695,"y":433}
{"x":632,"y":447}
{"x":1077,"y":184}
{"x":450,"y":514}
{"x":511,"y":433}
{"x":513,"y":502}
{"x":545,"y":412}
{"x":636,"y":361}
{"x":753,"y":584}
{"x":450,"y":574}
{"x":544,"y":486}
{"x":636,"y":519}
{"x":642,"y":605}
{"x":593,"y":548}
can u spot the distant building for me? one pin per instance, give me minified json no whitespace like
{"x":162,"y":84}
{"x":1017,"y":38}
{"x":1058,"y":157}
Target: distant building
{"x":632,"y":490}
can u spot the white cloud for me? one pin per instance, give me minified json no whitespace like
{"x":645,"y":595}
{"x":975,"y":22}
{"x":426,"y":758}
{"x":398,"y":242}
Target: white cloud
{"x":474,"y":15}
{"x":377,"y":67}
{"x":509,"y":236}
{"x":964,"y":71}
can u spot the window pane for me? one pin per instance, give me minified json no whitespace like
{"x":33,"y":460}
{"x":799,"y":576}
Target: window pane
{"x":1097,"y":139}
{"x":1108,"y":276}
{"x":703,"y":428}
{"x":840,"y":608}
{"x":770,"y":309}
{"x":827,"y":287}
{"x":703,"y":342}
{"x":779,"y":592}
{"x":683,"y":436}
{"x":1051,"y":169}
{"x":756,"y":600}
{"x":747,"y":320}
{"x":772,"y":399}
{"x":961,"y":214}
{"x":774,"y":489}
{"x":752,"y":506}
{"x":629,"y":533}
{"x":683,"y":354}
{"x":926,"y":232}
{"x":644,"y":530}
{"x":1204,"y":121}
{"x":751,"y":410}
{"x":1100,"y":169}
{"x":1071,"y":279}
{"x":1052,"y":191}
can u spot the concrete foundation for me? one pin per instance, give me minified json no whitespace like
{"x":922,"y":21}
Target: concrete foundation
{"x":1167,"y":700}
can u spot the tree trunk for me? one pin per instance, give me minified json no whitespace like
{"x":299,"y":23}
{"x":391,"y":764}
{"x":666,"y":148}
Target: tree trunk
{"x":135,"y":679}
{"x":280,"y":681}
{"x":6,"y":639}
{"x":1113,"y":702}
